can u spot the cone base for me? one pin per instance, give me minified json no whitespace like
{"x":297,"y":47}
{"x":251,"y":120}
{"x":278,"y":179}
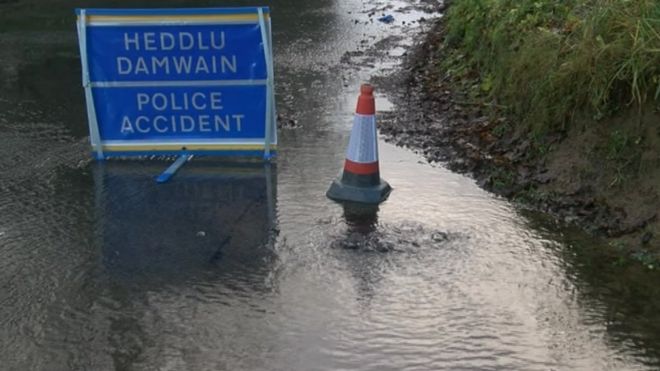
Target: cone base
{"x":340,"y":191}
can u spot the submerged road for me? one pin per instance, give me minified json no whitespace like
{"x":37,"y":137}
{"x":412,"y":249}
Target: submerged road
{"x":237,"y":267}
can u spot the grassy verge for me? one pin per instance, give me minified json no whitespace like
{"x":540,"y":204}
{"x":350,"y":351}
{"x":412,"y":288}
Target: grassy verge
{"x":549,"y":63}
{"x":573,"y":92}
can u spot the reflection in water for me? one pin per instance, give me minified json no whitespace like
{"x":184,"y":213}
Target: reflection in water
{"x":208,"y":232}
{"x":207,"y":217}
{"x":362,"y":235}
{"x":361,"y":219}
{"x":623,"y":294}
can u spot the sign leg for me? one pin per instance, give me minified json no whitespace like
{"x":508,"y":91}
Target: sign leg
{"x":170,"y":171}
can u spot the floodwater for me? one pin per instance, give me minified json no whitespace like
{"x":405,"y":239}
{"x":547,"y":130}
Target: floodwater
{"x":249,"y":267}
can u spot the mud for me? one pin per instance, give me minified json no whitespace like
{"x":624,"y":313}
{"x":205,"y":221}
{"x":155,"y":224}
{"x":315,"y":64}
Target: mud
{"x":558,"y":174}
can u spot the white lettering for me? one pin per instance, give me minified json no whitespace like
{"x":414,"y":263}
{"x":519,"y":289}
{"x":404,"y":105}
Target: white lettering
{"x":216,"y":100}
{"x":190,"y":121}
{"x":159,"y":129}
{"x":195,"y":103}
{"x":128,"y":41}
{"x":182,"y":64}
{"x":183,"y":123}
{"x":238,"y":119}
{"x":173,"y":101}
{"x":140,"y":119}
{"x":218,"y":45}
{"x":124,"y":65}
{"x":226,"y":63}
{"x":185,"y":101}
{"x":167,"y":65}
{"x":159,"y":101}
{"x":201,"y":65}
{"x":167,"y":41}
{"x":219,"y":122}
{"x":142,"y":99}
{"x":141,"y":66}
{"x":200,"y":42}
{"x":150,"y":41}
{"x":173,"y":124}
{"x":163,"y":63}
{"x":126,"y":126}
{"x":204,"y":123}
{"x":186,"y":41}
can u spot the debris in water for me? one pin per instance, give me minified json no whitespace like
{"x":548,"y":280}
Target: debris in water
{"x":439,"y":236}
{"x":386,"y":19}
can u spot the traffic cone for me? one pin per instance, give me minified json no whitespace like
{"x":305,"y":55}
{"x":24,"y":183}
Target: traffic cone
{"x":360,"y":181}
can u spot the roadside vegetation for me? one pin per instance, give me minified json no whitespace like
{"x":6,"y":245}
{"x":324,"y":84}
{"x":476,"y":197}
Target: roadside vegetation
{"x":574,"y":85}
{"x":550,"y":63}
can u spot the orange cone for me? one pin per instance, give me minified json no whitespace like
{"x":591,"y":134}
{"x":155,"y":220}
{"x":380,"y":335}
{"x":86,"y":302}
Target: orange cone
{"x":360,"y":181}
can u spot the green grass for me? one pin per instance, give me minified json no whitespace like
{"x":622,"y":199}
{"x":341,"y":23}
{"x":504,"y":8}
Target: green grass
{"x":551,"y":62}
{"x":623,"y":151}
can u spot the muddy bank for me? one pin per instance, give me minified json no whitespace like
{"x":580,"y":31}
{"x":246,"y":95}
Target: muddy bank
{"x":582,"y":176}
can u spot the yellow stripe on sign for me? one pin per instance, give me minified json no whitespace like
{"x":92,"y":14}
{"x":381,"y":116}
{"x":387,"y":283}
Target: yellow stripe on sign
{"x":174,"y":18}
{"x":179,"y":147}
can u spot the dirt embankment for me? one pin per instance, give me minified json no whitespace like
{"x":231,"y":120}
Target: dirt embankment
{"x":604,"y":178}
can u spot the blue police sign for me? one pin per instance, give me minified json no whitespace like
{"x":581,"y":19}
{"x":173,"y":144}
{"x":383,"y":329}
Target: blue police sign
{"x":178,"y":81}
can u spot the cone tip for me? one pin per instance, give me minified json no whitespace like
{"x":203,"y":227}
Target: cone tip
{"x":366,"y":103}
{"x":366,"y":89}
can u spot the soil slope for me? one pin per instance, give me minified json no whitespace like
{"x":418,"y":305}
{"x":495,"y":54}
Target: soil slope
{"x":606,"y":181}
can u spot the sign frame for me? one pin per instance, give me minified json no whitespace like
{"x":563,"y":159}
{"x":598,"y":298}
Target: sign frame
{"x":104,"y":148}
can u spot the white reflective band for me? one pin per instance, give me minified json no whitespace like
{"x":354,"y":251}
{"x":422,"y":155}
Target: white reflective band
{"x":165,"y":23}
{"x":363,"y":145}
{"x":140,"y":84}
{"x":182,"y":142}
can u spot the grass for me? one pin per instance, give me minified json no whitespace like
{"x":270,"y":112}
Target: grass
{"x":624,"y":154}
{"x":503,"y":179}
{"x":627,"y":255}
{"x":552,"y":62}
{"x":501,"y":130}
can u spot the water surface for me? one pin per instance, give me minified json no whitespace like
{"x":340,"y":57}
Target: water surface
{"x":250,"y":267}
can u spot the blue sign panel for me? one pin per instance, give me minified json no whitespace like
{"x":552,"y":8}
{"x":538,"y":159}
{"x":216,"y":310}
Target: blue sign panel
{"x":143,"y":113}
{"x":178,"y":81}
{"x":158,"y":53}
